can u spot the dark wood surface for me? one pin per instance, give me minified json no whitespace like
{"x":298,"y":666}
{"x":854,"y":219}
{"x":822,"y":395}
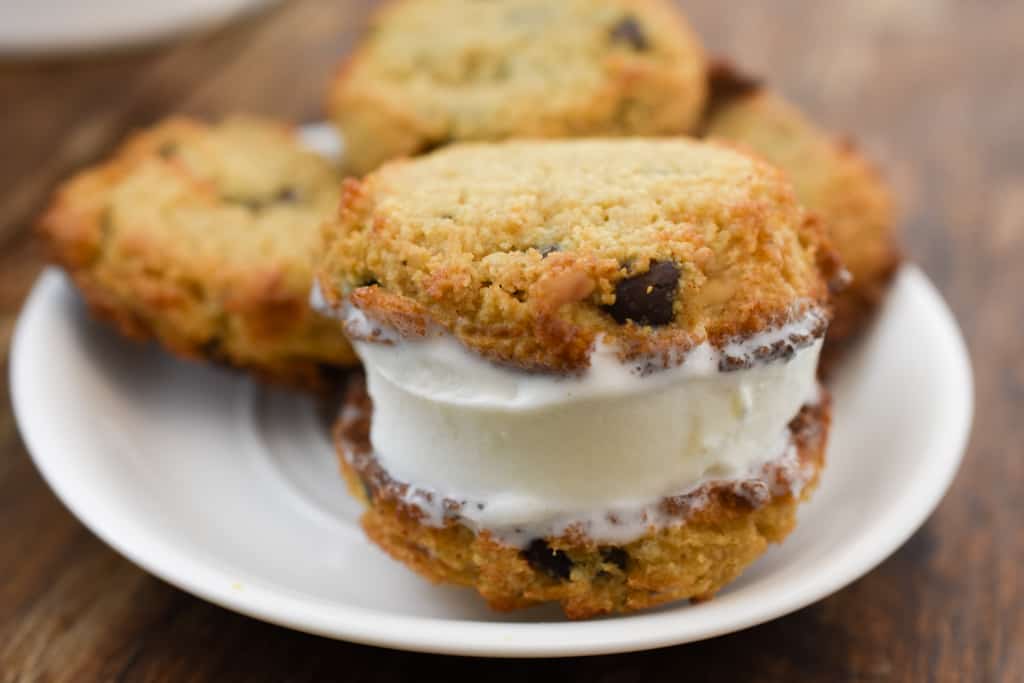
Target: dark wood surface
{"x":931,"y":88}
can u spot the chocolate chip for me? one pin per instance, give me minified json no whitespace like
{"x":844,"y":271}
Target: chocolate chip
{"x":548,"y":250}
{"x":616,"y":556}
{"x":432,"y":145}
{"x":214,"y":350}
{"x":726,"y":83}
{"x":647,"y":299}
{"x":628,"y":30}
{"x":287,"y":195}
{"x":554,"y":563}
{"x":332,"y":375}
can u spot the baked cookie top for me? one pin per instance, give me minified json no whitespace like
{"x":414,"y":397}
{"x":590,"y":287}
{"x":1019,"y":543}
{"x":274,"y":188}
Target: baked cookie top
{"x":829,"y":175}
{"x":528,"y":250}
{"x":223,"y":202}
{"x":203,"y":236}
{"x":431,"y":72}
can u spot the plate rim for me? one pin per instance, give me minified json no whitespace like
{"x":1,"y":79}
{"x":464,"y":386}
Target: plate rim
{"x":468,"y":637}
{"x":121,"y":37}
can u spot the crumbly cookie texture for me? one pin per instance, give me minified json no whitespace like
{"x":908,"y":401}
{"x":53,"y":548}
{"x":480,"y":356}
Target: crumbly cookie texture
{"x":527,"y":251}
{"x":430,"y":72}
{"x":695,"y":558}
{"x":830,"y":177}
{"x":202,"y":237}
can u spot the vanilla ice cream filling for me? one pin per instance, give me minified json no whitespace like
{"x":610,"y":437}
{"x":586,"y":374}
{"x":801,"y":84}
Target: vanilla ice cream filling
{"x":527,"y":454}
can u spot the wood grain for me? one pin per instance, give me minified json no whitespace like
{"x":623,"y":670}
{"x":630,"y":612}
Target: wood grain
{"x":931,"y":88}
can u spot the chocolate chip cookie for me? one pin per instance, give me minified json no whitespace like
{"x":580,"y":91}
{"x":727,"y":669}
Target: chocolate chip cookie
{"x":202,"y":237}
{"x":430,"y":72}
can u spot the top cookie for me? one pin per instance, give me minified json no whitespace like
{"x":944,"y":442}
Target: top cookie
{"x":527,"y":251}
{"x":432,"y":72}
{"x":202,"y":237}
{"x":830,"y":177}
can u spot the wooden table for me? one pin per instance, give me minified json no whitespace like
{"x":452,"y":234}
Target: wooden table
{"x":931,"y":88}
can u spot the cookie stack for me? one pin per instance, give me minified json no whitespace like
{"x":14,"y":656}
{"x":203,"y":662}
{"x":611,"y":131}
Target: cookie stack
{"x":588,"y":276}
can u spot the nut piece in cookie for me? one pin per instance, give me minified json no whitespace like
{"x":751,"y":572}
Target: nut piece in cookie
{"x":431,"y":72}
{"x":590,"y":365}
{"x":830,"y":177}
{"x":202,"y":237}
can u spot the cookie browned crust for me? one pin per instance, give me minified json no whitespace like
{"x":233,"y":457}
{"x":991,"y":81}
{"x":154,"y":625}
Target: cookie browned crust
{"x":202,"y":237}
{"x":709,"y":547}
{"x":830,"y":177}
{"x":430,"y":72}
{"x":526,"y":251}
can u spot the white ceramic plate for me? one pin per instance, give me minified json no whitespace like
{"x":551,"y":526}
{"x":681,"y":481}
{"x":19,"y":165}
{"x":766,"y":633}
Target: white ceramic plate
{"x":36,"y":27}
{"x":231,"y":492}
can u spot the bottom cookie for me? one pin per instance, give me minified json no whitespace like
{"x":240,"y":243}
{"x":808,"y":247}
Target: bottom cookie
{"x":714,"y":532}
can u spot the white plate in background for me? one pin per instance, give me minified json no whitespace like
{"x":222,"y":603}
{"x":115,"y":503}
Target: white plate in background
{"x":43,"y":27}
